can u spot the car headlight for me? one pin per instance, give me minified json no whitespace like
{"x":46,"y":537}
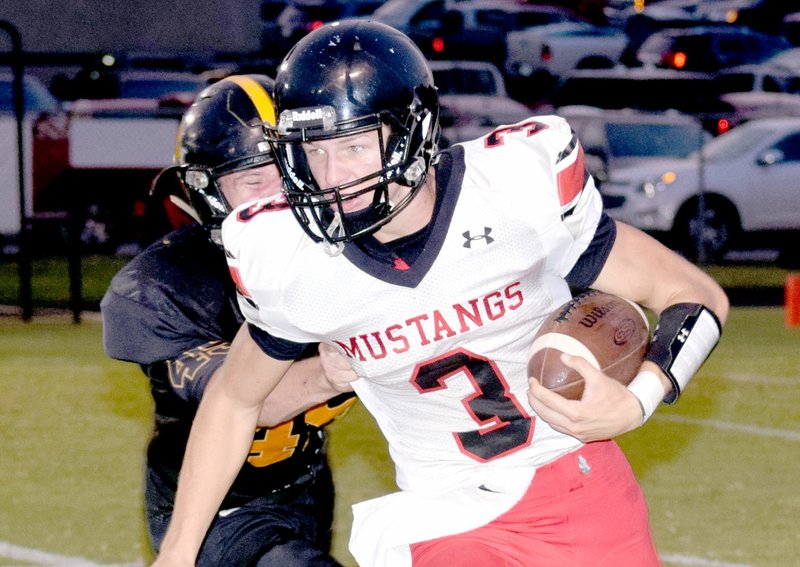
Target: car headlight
{"x":651,"y":188}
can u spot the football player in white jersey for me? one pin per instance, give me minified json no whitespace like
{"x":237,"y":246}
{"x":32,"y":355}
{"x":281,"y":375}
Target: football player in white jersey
{"x":431,"y":272}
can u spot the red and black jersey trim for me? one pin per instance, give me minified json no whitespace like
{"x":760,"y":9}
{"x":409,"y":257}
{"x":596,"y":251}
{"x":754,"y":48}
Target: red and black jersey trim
{"x":573,"y":178}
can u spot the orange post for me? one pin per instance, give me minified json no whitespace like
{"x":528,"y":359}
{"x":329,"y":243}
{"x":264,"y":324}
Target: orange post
{"x":792,"y":300}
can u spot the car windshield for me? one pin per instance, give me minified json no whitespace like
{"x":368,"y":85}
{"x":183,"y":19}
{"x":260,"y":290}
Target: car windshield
{"x":586,"y":30}
{"x":397,"y":11}
{"x":36,"y":97}
{"x":148,"y":88}
{"x":534,"y":19}
{"x":464,"y":81}
{"x":735,"y":82}
{"x":735,"y":142}
{"x":331,"y":11}
{"x":653,"y":140}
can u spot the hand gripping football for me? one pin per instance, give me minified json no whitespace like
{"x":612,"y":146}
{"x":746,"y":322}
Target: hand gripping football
{"x":610,"y":332}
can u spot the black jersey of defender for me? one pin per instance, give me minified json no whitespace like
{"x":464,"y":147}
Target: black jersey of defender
{"x":173,"y":310}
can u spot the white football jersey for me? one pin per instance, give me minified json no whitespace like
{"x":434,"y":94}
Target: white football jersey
{"x":442,"y":345}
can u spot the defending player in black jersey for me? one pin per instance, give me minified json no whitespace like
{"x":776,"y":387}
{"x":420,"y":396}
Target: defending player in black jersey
{"x":173,"y":310}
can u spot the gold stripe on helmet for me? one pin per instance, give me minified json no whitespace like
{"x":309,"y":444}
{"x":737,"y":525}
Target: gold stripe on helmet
{"x":178,"y":137}
{"x":260,"y":97}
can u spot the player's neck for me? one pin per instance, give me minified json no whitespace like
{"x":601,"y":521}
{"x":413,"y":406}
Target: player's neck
{"x":415,"y":216}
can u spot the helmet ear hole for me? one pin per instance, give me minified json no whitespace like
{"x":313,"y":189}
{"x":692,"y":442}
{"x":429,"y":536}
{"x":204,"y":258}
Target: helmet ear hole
{"x":197,"y":179}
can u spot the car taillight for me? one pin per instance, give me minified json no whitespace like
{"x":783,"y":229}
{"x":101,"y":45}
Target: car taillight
{"x":678,"y":60}
{"x":314,"y":25}
{"x":437,"y":45}
{"x":546,"y":54}
{"x":723,"y":125}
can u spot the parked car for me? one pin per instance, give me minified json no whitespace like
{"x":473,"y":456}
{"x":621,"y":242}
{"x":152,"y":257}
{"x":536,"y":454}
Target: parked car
{"x":763,"y":77}
{"x":474,"y":29}
{"x":302,"y":16}
{"x":473,"y":100}
{"x":787,"y":59}
{"x":455,"y":77}
{"x":402,"y":14}
{"x":556,"y":49}
{"x":92,"y":158}
{"x":35,"y":96}
{"x":617,"y":138}
{"x":639,"y":23}
{"x":110,"y":82}
{"x":640,"y":88}
{"x":467,"y":117}
{"x":761,"y":15}
{"x":271,"y":42}
{"x":112,"y":148}
{"x":790,"y":27}
{"x":740,"y":190}
{"x":744,"y":106}
{"x":708,"y":48}
{"x":116,"y":147}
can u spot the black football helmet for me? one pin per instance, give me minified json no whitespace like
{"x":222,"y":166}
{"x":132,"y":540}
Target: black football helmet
{"x":222,"y":132}
{"x":346,"y":78}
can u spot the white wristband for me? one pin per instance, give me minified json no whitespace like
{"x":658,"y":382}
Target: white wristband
{"x":648,"y":390}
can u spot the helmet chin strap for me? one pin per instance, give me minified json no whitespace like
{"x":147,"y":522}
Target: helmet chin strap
{"x":335,"y":230}
{"x":372,"y":216}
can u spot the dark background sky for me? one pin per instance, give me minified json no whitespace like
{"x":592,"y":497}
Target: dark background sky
{"x":125,"y":25}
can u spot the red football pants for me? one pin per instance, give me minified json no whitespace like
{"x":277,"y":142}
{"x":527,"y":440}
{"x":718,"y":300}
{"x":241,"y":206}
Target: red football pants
{"x":582,"y":510}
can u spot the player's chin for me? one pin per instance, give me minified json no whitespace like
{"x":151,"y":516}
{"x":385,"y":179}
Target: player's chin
{"x":355,"y":205}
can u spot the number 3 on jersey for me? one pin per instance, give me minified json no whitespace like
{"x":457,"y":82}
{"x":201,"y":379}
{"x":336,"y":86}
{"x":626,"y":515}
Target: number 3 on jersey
{"x":505,"y":426}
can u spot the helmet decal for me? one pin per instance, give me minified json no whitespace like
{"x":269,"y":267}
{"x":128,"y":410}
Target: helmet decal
{"x":258,"y":95}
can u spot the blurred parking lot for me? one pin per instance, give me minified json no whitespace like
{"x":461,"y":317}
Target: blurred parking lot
{"x":641,"y":82}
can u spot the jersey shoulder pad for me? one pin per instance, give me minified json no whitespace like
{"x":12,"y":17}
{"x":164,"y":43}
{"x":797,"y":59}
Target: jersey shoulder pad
{"x":265,"y":248}
{"x":269,"y":220}
{"x":541,"y":149}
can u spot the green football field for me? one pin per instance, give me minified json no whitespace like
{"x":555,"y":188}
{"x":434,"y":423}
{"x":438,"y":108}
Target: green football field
{"x":719,"y":469}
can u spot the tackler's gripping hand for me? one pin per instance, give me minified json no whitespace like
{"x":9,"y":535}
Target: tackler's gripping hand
{"x":337,"y":369}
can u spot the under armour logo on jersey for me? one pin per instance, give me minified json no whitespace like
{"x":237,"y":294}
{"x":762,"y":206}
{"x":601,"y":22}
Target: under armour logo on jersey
{"x":485,"y":236}
{"x":683,"y":335}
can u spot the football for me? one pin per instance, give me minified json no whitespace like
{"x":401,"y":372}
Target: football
{"x":610,"y":332}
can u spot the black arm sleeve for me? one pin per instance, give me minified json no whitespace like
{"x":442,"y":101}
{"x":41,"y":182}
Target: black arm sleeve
{"x":588,"y":267}
{"x":280,"y":349}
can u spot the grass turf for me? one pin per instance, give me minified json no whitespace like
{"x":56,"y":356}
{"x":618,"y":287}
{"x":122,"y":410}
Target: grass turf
{"x":717,"y":468}
{"x":50,"y":280}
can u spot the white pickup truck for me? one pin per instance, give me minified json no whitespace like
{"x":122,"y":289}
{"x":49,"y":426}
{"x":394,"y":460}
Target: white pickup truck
{"x":115,"y":151}
{"x":95,"y":159}
{"x":554,"y":50}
